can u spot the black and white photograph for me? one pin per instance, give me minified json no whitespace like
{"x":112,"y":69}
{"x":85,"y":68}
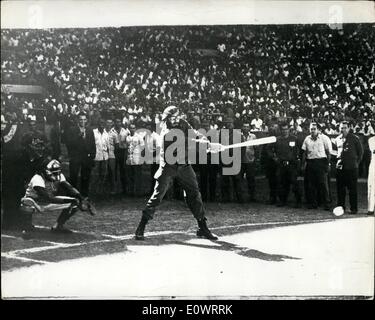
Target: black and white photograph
{"x":173,"y":150}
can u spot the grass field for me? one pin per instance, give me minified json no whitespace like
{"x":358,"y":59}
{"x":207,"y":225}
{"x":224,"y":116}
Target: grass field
{"x":242,"y":230}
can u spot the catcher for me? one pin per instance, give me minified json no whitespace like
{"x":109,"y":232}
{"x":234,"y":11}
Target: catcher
{"x":48,"y":190}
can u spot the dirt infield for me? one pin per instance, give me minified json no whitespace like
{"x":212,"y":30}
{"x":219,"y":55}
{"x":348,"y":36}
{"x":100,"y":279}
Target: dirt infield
{"x":110,"y":233}
{"x":325,"y":258}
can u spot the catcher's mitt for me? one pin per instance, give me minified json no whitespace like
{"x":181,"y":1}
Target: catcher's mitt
{"x":86,"y":205}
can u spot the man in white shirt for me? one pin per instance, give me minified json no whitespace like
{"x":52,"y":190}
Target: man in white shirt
{"x":112,"y":137}
{"x":317,"y":149}
{"x":135,"y":146}
{"x":101,"y":157}
{"x":121,"y":148}
{"x":257,"y":122}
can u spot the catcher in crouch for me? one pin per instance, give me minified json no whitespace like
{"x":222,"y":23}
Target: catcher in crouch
{"x":48,"y":190}
{"x":182,"y":170}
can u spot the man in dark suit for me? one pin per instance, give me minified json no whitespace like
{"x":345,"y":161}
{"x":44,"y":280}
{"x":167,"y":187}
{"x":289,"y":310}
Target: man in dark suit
{"x":82,"y":150}
{"x":349,"y":155}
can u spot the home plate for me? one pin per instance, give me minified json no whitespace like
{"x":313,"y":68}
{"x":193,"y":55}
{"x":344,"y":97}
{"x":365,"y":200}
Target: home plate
{"x":333,"y":258}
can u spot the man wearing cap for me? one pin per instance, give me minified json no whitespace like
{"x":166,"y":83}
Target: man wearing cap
{"x":317,"y":149}
{"x":179,"y":168}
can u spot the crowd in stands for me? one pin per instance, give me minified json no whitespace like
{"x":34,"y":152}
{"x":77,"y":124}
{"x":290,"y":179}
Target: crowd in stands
{"x":298,"y":71}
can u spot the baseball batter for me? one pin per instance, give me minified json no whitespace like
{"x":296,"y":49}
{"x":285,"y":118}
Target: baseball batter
{"x":173,"y":119}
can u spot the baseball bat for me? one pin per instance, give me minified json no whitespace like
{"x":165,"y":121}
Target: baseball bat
{"x":255,"y":142}
{"x":250,"y":143}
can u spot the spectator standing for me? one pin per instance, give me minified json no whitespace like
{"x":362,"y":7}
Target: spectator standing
{"x":248,"y":161}
{"x":270,"y":166}
{"x":286,"y":152}
{"x":68,"y":121}
{"x":112,"y":172}
{"x":135,"y":144}
{"x":121,"y":150}
{"x":349,"y":155}
{"x":257,"y":123}
{"x":208,"y":171}
{"x":52,"y":130}
{"x":101,"y":156}
{"x":81,"y":152}
{"x":226,"y":190}
{"x":316,"y":162}
{"x":35,"y":147}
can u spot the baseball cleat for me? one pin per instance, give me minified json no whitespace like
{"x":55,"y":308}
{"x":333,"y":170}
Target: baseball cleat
{"x":206,"y":234}
{"x":139,"y":233}
{"x":139,"y":237}
{"x":203,"y":230}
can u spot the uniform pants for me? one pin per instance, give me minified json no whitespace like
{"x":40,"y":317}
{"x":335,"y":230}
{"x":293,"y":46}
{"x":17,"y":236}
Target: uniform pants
{"x":153,"y":169}
{"x":67,"y":209}
{"x":316,"y":171}
{"x":188,"y":180}
{"x":371,"y":185}
{"x":287,"y":177}
{"x":47,"y":207}
{"x":135,"y":179}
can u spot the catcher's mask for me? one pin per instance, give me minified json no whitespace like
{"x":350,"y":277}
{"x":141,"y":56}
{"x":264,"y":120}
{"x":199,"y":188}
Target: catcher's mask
{"x":53,"y":170}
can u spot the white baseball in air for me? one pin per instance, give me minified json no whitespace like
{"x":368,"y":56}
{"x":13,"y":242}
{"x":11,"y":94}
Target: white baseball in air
{"x":338,"y":211}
